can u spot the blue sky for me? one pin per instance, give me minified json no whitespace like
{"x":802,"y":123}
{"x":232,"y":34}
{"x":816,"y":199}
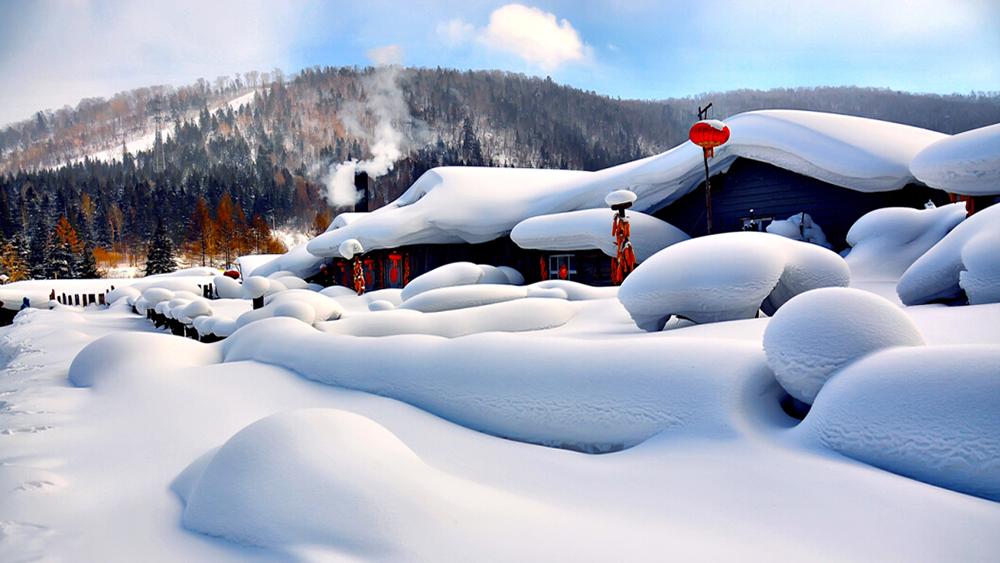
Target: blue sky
{"x":55,"y":52}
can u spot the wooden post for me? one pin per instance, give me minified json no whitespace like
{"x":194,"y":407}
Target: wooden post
{"x":708,"y":197}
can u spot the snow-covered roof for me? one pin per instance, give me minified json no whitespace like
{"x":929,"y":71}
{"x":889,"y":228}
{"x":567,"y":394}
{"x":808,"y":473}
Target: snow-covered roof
{"x":475,"y":204}
{"x":591,"y":229}
{"x":967,"y":163}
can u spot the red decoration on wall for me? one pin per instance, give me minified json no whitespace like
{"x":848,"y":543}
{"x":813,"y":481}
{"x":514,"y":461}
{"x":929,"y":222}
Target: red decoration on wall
{"x":394,"y":258}
{"x":359,"y":276}
{"x":543,"y":269}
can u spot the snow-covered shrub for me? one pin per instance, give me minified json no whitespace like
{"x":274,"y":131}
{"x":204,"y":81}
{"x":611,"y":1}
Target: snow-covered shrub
{"x":800,"y":227}
{"x":726,"y":277}
{"x":935,"y":275}
{"x":885,"y":242}
{"x":928,"y":413}
{"x":821,"y":331}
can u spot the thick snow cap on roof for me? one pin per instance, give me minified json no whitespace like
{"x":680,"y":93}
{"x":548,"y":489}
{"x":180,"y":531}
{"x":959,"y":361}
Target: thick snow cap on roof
{"x":474,"y":204}
{"x":591,"y":228}
{"x":967,"y":163}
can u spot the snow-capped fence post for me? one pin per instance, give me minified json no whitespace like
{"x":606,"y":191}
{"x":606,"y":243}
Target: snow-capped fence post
{"x":708,"y":134}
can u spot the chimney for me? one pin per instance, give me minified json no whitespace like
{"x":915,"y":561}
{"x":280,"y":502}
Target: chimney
{"x":363,"y":185}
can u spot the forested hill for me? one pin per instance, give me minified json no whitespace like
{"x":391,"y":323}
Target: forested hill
{"x":268,"y":141}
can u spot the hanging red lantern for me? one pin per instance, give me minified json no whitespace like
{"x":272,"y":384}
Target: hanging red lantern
{"x":708,"y":134}
{"x":232,"y":274}
{"x":394,"y":258}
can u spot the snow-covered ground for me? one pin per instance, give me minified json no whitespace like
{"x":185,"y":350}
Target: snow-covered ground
{"x":479,"y":419}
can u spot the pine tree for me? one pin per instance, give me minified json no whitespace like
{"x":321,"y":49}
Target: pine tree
{"x":65,"y":248}
{"x":160,"y":258}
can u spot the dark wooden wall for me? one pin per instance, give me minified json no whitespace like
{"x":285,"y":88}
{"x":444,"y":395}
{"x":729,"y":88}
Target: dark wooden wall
{"x":775,"y":192}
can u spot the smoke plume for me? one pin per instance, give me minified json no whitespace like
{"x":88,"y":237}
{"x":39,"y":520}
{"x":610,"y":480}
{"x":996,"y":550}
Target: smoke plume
{"x":383,"y":120}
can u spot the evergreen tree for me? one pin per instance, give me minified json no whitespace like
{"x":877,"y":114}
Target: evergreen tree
{"x":86,"y":264}
{"x":12,"y":262}
{"x":160,"y":259}
{"x":64,"y":251}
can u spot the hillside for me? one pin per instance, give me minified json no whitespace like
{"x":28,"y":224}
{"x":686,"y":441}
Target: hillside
{"x":271,"y":143}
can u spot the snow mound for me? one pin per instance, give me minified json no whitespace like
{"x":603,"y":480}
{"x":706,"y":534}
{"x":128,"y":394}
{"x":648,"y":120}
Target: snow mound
{"x":512,"y":385}
{"x":518,"y":315}
{"x":885,"y":242}
{"x":227,"y":288}
{"x":381,"y":305}
{"x":800,"y":227}
{"x":255,"y":286}
{"x":822,"y":331}
{"x":308,"y":477}
{"x":727,"y":277}
{"x":591,"y":229}
{"x":927,"y":413}
{"x":123,"y":292}
{"x":456,"y":273}
{"x":576,"y":291}
{"x":967,"y":163}
{"x":463,"y":296}
{"x":295,"y":303}
{"x":513,"y":276}
{"x":981,"y":278}
{"x":134,"y":354}
{"x":935,"y":275}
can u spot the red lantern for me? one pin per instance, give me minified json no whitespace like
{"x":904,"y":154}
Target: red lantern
{"x":708,"y":134}
{"x":394,"y":268}
{"x":232,"y":274}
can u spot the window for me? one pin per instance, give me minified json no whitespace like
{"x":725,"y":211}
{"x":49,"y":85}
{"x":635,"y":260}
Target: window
{"x":561,"y":267}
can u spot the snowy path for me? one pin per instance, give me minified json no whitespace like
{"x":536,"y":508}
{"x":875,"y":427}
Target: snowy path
{"x":86,"y":473}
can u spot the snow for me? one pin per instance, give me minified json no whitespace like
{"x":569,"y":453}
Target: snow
{"x":935,"y":275}
{"x":928,"y":413}
{"x":303,"y":304}
{"x":885,"y":242}
{"x":471,"y":204}
{"x":981,"y":278}
{"x":726,"y":277}
{"x":456,"y":273}
{"x":227,"y":288}
{"x":591,"y":229}
{"x":349,"y":248}
{"x":967,"y":163}
{"x":819,"y":332}
{"x":620,"y":197}
{"x":248,"y":263}
{"x":256,"y":286}
{"x":800,"y":227}
{"x":462,"y":296}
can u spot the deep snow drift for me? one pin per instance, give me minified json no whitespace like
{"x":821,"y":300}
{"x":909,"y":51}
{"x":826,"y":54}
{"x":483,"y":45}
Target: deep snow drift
{"x":967,"y":163}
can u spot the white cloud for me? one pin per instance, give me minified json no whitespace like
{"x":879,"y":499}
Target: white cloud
{"x":59,"y":52}
{"x":535,"y":36}
{"x":455,"y":32}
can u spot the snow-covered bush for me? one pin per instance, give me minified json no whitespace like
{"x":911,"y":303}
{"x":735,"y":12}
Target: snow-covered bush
{"x":727,"y":277}
{"x":800,"y":227}
{"x":885,"y":242}
{"x":928,"y":413}
{"x":822,"y":331}
{"x":935,"y":275}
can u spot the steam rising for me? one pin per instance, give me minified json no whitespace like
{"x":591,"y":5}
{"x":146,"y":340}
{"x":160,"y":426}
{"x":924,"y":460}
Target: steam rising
{"x":383,"y":120}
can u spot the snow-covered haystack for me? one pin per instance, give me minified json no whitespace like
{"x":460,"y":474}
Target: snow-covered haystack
{"x":800,"y":227}
{"x":727,"y":277}
{"x":576,"y":393}
{"x":928,"y":413}
{"x":821,"y":331}
{"x":454,"y":315}
{"x":591,"y":229}
{"x":309,"y":477}
{"x":460,"y":273}
{"x":967,"y":163}
{"x":133,"y":354}
{"x":885,"y":242}
{"x":302,"y":304}
{"x":935,"y":275}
